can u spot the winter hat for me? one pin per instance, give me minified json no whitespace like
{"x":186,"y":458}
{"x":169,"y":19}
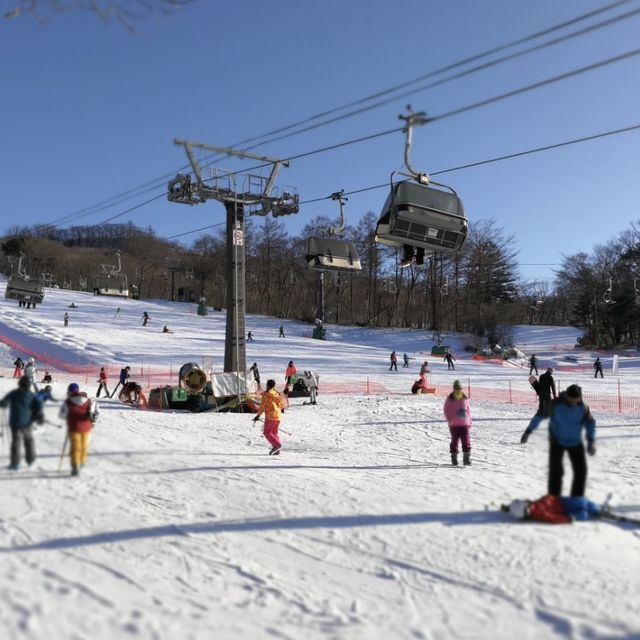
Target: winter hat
{"x":24,"y":382}
{"x":48,"y":388}
{"x":519,"y":509}
{"x":574,"y":391}
{"x":457,"y":385}
{"x":271,"y":384}
{"x":74,"y":387}
{"x":31,"y":361}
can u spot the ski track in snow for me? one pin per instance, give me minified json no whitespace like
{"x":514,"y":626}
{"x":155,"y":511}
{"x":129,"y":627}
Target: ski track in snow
{"x":182,"y":527}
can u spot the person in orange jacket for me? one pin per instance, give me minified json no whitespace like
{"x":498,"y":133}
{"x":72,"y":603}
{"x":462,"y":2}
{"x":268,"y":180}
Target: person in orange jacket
{"x":289,"y":373}
{"x":272,"y":405}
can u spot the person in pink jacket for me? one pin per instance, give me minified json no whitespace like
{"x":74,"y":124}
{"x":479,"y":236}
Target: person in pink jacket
{"x":458,"y":414}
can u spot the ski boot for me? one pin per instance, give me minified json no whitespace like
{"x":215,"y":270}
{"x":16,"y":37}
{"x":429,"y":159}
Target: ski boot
{"x":466,"y":458}
{"x":74,"y":470}
{"x":275,"y":451}
{"x":454,"y":459}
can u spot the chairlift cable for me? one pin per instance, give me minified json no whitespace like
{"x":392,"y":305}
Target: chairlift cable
{"x":150,"y":185}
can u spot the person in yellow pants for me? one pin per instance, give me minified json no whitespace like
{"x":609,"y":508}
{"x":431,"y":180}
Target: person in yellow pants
{"x":80,"y":413}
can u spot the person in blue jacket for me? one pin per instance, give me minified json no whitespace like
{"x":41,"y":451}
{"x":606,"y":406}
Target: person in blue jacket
{"x":24,"y":408}
{"x":568,"y":415}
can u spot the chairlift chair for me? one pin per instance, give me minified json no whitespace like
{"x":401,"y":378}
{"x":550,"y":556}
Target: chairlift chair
{"x":422,"y":216}
{"x":331,"y":254}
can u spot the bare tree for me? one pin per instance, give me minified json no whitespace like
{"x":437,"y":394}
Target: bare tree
{"x":126,"y":12}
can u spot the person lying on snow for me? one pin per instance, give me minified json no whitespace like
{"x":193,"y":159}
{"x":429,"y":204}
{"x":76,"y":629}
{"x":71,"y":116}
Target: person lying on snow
{"x":553,"y":509}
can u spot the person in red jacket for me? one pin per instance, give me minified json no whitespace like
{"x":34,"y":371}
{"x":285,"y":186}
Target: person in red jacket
{"x":102,"y":379}
{"x":272,"y":405}
{"x":80,"y":413}
{"x":288,"y":375}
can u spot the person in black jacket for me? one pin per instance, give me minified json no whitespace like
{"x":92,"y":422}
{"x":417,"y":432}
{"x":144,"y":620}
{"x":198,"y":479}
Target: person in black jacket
{"x":533,"y":364}
{"x":545,"y":388}
{"x":597,"y":365}
{"x":24,"y":408}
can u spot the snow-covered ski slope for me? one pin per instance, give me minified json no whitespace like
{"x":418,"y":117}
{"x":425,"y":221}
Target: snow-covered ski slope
{"x":182,"y":526}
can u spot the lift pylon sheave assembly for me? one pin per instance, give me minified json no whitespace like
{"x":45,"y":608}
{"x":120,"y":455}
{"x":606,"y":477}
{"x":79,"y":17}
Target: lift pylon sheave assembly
{"x":111,"y":282}
{"x":257,"y":197}
{"x":22,"y":287}
{"x":331,"y":253}
{"x":419,"y":215}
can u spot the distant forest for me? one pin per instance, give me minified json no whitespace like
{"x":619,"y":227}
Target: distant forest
{"x":477,"y":291}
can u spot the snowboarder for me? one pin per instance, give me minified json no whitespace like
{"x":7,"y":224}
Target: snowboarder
{"x":533,"y":364}
{"x":145,"y":318}
{"x":281,"y":334}
{"x":394,"y":361}
{"x":249,"y":337}
{"x":80,"y":413}
{"x":47,"y":378}
{"x":545,"y":387}
{"x":124,"y":376}
{"x":449,"y":359}
{"x":568,"y":414}
{"x":256,"y":374}
{"x":19,"y":366}
{"x":288,"y":376}
{"x":24,"y":409}
{"x":272,"y":405}
{"x":166,"y":329}
{"x":597,"y":365}
{"x":66,"y":319}
{"x":420,"y":385}
{"x":102,"y":379}
{"x":30,"y":372}
{"x":405,"y":359}
{"x":458,"y":414}
{"x":424,"y":368}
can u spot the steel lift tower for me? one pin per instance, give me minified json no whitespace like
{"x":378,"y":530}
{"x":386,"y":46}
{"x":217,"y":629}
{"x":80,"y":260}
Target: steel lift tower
{"x":255,"y":196}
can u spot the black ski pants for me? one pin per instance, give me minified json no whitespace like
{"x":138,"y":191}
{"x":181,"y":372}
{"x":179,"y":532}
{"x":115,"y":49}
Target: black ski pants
{"x":102,"y":386}
{"x":18,"y":436}
{"x":556,"y":468}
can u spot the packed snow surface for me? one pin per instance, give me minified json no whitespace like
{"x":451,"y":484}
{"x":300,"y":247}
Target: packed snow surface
{"x":181,"y":525}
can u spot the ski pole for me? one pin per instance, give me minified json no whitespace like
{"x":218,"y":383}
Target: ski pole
{"x":114,"y":391}
{"x":64,"y":448}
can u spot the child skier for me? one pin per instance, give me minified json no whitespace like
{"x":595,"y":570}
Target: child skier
{"x":81,"y":414}
{"x":102,"y":379}
{"x":19,"y":366}
{"x":272,"y":405}
{"x":458,"y":414}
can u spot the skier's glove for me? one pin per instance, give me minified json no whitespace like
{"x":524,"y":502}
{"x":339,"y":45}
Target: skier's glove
{"x":256,"y":419}
{"x":525,"y":436}
{"x":591,"y":448}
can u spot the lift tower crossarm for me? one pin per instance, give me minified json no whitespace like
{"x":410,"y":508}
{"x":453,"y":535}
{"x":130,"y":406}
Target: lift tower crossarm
{"x":189,"y":146}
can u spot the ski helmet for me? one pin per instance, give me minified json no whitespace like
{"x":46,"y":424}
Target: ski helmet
{"x":519,"y":509}
{"x":74,"y":387}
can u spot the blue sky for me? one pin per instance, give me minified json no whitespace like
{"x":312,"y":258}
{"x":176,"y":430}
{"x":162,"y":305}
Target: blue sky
{"x":90,"y":111}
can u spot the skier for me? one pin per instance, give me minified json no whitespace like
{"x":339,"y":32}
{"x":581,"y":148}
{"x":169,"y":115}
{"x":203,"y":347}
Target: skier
{"x":102,"y":379}
{"x":256,"y":374}
{"x":597,"y":365}
{"x":272,"y":405}
{"x":553,"y":509}
{"x":424,"y":368}
{"x":288,"y":375}
{"x":45,"y":394}
{"x":458,"y":414}
{"x":117,"y":313}
{"x":449,"y":359}
{"x":249,"y":337}
{"x":124,"y":376}
{"x":80,"y":413}
{"x":568,"y":414}
{"x":533,"y":364}
{"x":166,"y":329}
{"x":145,"y":318}
{"x":545,"y":387}
{"x":30,"y":372}
{"x":281,"y":334}
{"x":405,"y":359}
{"x":19,"y":366}
{"x":47,"y":378}
{"x":66,"y":319}
{"x":24,"y":409}
{"x":394,"y":361}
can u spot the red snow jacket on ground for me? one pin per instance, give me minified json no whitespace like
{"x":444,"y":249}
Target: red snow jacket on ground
{"x":549,"y":509}
{"x":78,"y":410}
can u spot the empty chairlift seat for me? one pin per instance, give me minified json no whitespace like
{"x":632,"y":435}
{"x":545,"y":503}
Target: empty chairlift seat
{"x":332,"y":254}
{"x":422,"y":216}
